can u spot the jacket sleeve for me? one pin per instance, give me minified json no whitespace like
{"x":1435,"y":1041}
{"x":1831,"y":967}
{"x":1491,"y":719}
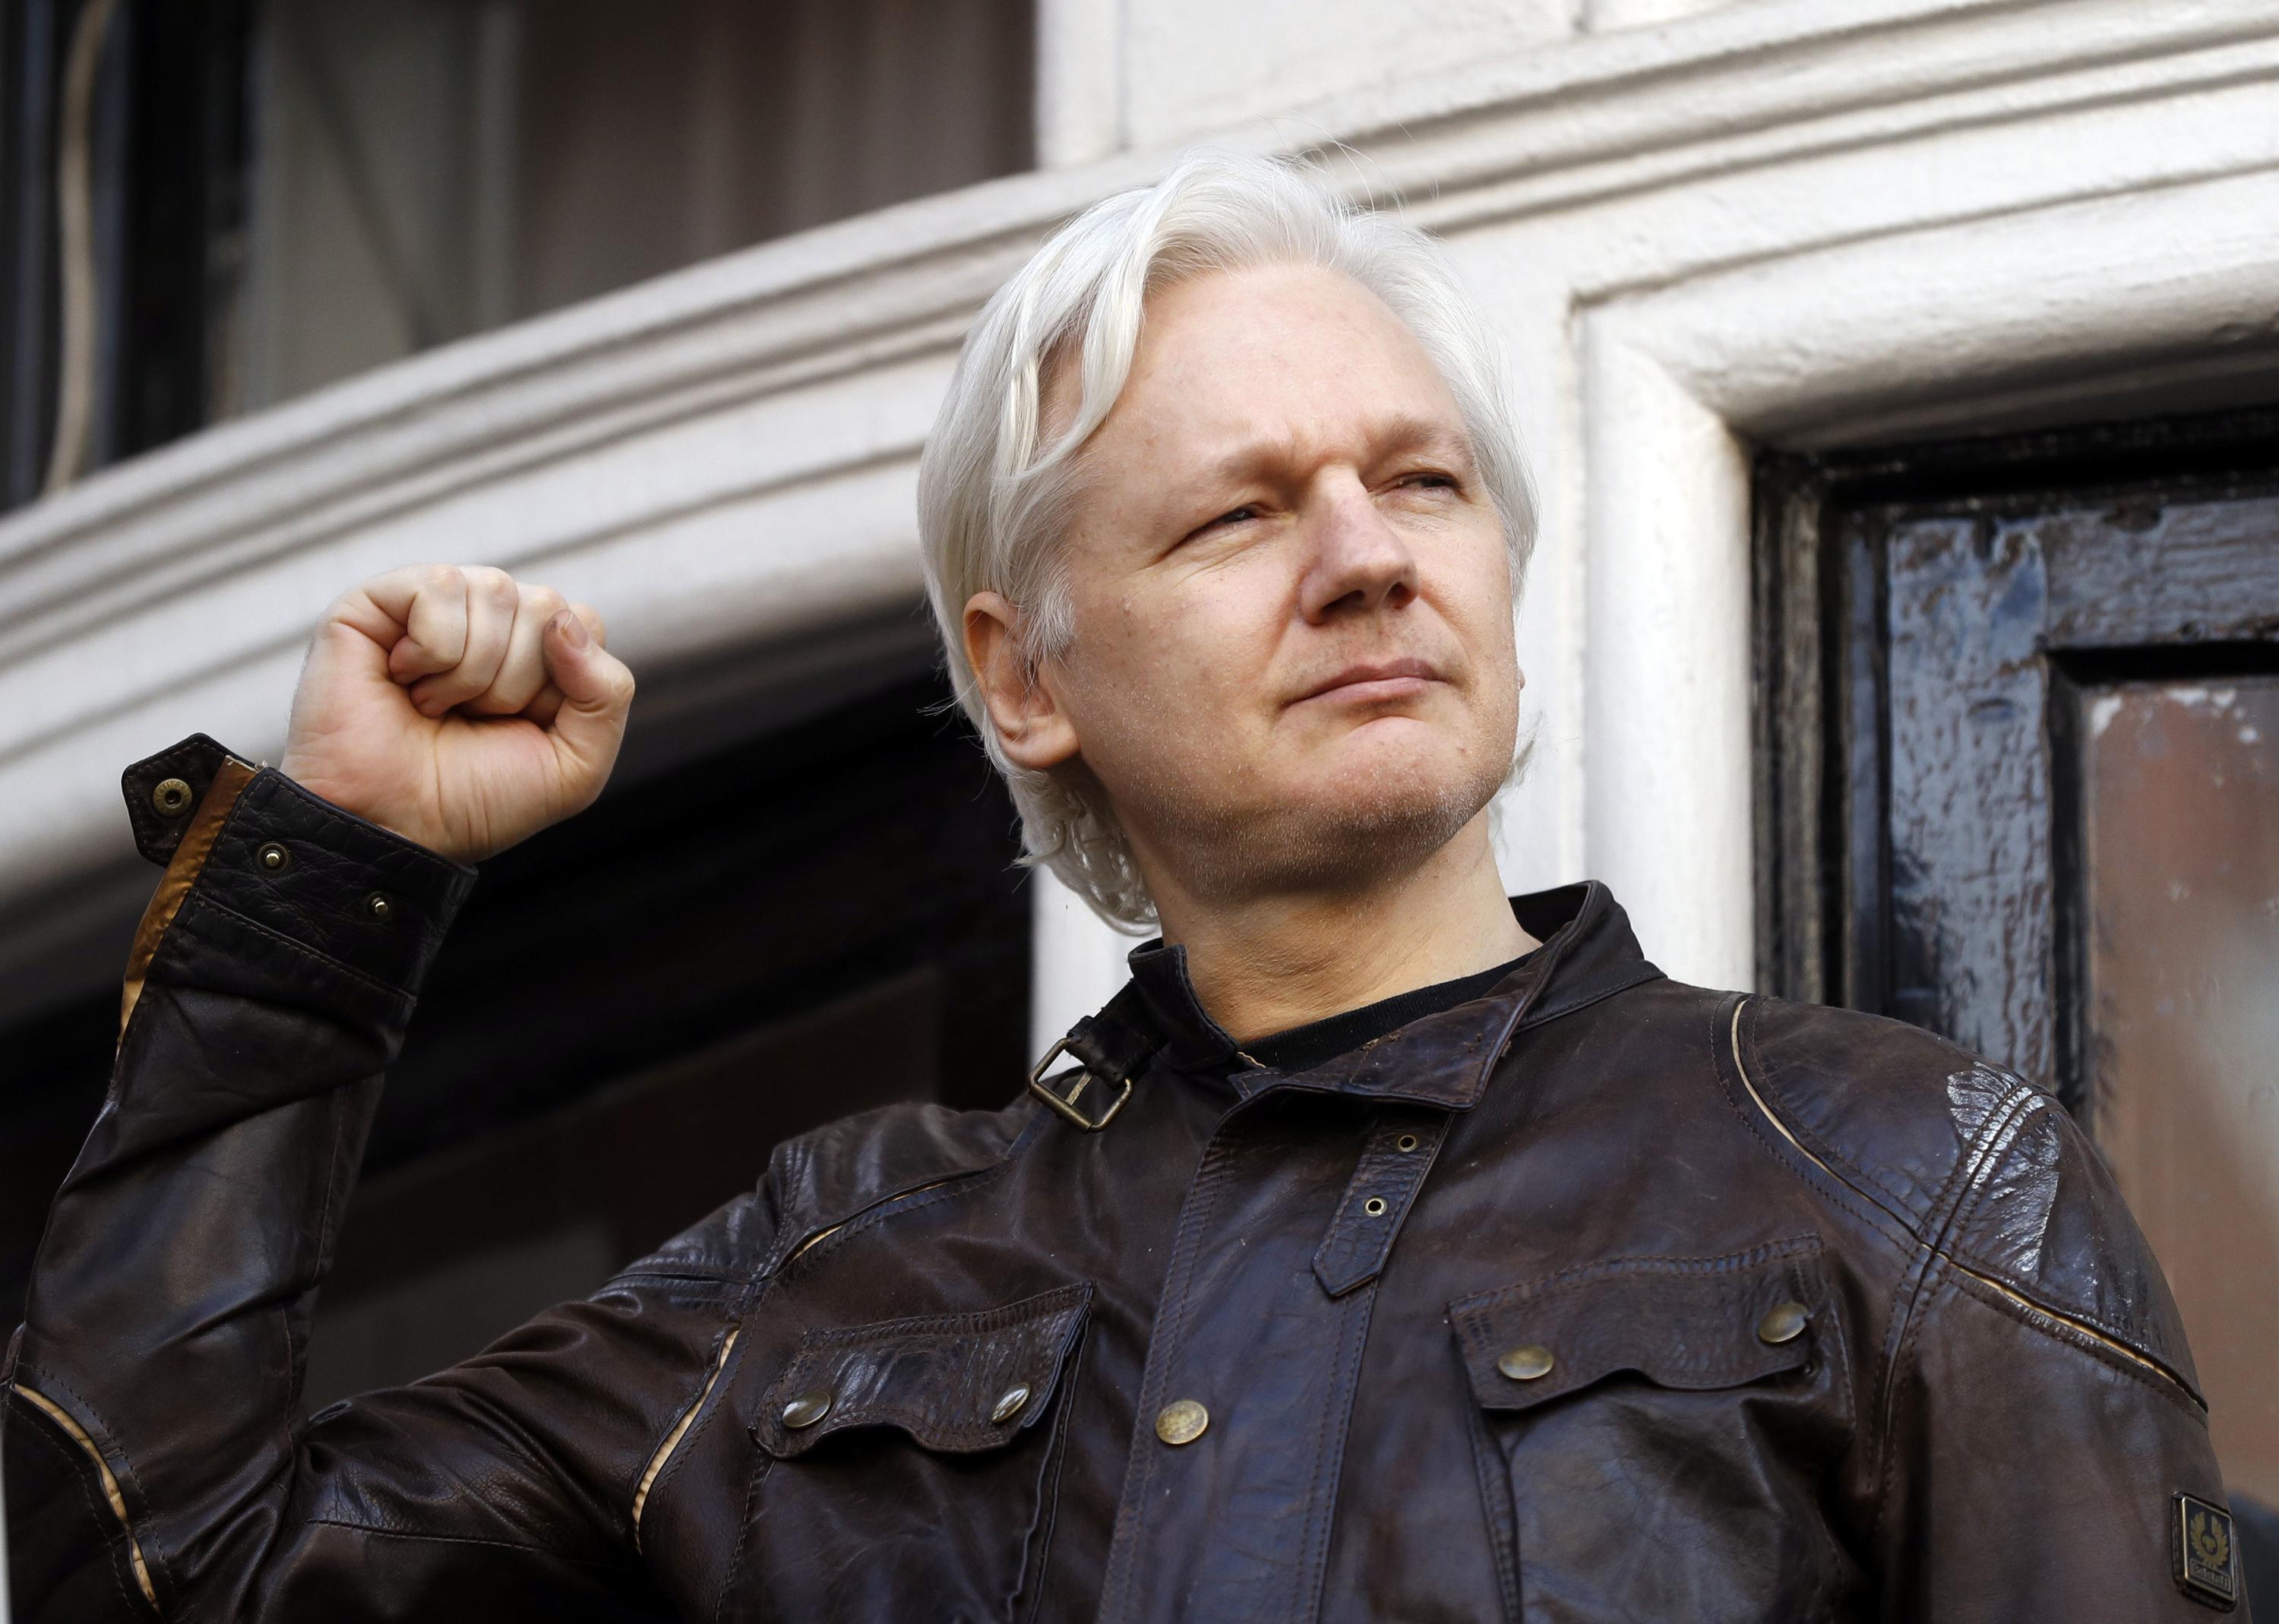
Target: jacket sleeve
{"x":157,"y":1459}
{"x":2049,"y":1450}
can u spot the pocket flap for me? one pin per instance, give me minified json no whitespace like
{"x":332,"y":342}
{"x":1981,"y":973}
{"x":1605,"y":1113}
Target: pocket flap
{"x":1680,"y":1323}
{"x":953,"y":1381}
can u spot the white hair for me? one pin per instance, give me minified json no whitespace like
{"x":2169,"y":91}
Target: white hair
{"x":994,"y":502}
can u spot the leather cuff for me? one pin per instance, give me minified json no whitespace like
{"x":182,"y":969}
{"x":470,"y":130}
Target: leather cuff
{"x":296,"y":864}
{"x":162,"y":791}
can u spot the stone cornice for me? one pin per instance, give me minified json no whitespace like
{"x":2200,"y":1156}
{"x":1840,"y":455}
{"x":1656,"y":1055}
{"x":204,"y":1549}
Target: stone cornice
{"x":1556,"y":128}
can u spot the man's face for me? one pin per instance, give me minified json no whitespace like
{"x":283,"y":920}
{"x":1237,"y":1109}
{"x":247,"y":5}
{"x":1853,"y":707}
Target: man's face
{"x":1293,"y":665}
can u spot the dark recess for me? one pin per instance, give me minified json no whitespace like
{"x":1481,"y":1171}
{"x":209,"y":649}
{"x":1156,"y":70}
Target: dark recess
{"x":764,"y":907}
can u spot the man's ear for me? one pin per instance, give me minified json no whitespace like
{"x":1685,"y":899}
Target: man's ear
{"x":1032,"y":730}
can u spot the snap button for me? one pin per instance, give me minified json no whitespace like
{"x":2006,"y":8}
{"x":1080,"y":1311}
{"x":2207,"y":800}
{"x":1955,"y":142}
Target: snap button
{"x":171,"y":797}
{"x":1009,"y":1406}
{"x":1374,"y":1206}
{"x":806,"y":1409}
{"x":1181,"y":1422}
{"x":379,"y":907}
{"x":1525,"y":1364}
{"x":1782,"y":1323}
{"x":275,"y":858}
{"x":1406,"y":1142}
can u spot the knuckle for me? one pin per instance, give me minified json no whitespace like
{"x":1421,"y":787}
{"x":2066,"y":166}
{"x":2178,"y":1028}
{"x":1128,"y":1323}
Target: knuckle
{"x":441,"y":577}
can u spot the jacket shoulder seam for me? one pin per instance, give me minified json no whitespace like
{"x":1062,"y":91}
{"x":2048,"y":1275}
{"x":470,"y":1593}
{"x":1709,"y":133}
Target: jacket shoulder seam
{"x":1856,"y":1175}
{"x":1842,"y":1191}
{"x":2074,"y":1331}
{"x":1953,"y":1245}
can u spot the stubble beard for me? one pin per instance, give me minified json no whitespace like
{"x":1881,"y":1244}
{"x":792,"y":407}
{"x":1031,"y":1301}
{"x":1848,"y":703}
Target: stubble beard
{"x":1375,"y":825}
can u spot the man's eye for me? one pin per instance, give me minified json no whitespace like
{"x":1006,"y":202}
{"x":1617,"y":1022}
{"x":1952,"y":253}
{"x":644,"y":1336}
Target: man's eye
{"x":1444,"y":481}
{"x":1232,"y":515}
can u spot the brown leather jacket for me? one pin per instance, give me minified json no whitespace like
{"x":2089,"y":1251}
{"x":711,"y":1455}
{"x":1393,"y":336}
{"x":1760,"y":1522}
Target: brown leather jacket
{"x":1598,"y":1297}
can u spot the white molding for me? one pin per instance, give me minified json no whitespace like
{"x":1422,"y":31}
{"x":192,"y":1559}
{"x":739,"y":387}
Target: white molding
{"x":1831,"y":344}
{"x":1793,"y":220}
{"x":2084,"y":308}
{"x":1666,"y":759}
{"x":1079,"y":107}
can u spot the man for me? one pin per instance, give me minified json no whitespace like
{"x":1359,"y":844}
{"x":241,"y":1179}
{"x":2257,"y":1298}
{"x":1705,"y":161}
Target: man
{"x":1396,"y":1250}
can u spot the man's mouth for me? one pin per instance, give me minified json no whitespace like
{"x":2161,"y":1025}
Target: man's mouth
{"x":1375,"y":680}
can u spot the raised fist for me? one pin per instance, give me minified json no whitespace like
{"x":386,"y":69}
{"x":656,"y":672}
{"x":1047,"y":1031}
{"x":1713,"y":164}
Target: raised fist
{"x":458,"y":707}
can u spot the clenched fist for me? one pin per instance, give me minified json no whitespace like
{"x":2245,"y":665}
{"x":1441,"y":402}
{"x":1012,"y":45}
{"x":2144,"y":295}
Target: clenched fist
{"x":458,"y":707}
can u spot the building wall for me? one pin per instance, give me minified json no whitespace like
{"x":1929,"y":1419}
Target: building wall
{"x":1125,"y":74}
{"x":1772,"y":223}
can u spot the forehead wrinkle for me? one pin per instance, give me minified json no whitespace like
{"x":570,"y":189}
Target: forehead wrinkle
{"x":1400,"y":432}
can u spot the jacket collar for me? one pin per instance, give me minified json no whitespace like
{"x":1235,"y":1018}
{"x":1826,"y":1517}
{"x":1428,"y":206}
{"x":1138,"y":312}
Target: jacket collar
{"x":1441,"y":1060}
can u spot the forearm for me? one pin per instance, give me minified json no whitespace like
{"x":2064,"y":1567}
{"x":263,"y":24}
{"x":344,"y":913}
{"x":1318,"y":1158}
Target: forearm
{"x":270,"y":985}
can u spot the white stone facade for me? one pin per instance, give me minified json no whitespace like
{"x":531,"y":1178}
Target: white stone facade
{"x":1776,"y":222}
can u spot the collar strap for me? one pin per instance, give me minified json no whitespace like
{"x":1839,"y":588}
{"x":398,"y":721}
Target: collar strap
{"x":1111,"y":1051}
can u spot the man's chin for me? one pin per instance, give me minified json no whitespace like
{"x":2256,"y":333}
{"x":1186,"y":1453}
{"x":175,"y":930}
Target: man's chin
{"x":1420,"y":817}
{"x":1343,"y":835}
{"x":1345,"y":817}
{"x":1387,"y":774}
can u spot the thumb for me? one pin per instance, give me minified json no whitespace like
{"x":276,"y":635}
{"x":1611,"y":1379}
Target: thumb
{"x":597,"y":691}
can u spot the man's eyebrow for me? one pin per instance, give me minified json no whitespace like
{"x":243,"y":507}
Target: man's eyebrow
{"x":1389,"y":438}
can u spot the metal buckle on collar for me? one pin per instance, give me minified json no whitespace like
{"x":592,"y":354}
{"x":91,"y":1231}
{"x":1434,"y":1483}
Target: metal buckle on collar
{"x":1066,"y":1104}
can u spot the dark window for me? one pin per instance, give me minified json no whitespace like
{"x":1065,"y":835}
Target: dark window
{"x":286,"y":193}
{"x":165,"y":135}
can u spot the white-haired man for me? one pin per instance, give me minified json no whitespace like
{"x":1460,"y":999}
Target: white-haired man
{"x":1396,"y":1250}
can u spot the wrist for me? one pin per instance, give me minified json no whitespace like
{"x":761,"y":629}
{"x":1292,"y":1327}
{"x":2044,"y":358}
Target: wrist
{"x":392,"y":820}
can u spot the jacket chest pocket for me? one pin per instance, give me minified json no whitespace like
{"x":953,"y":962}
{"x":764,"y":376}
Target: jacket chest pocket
{"x":912,"y":1462}
{"x":1653,"y":1436}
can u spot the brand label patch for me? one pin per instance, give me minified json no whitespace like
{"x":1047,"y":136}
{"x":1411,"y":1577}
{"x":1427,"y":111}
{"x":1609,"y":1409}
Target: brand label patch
{"x":2206,"y":1559}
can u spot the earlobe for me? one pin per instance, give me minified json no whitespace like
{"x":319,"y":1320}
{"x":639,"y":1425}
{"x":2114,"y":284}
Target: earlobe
{"x":1031,"y":728}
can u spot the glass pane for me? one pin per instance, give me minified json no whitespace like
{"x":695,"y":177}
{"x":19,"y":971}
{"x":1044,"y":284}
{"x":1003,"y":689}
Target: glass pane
{"x":2181,"y":801}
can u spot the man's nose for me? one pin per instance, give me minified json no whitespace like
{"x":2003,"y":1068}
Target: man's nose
{"x":1357,"y":559}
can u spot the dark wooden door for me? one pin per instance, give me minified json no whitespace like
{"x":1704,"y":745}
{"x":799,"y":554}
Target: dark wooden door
{"x":2020,"y":748}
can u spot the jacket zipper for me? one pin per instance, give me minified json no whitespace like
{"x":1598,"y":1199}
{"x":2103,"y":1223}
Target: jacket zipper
{"x":78,"y":1434}
{"x":1741,"y":1070}
{"x":820,"y":1236}
{"x":657,"y":1463}
{"x":679,"y":1431}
